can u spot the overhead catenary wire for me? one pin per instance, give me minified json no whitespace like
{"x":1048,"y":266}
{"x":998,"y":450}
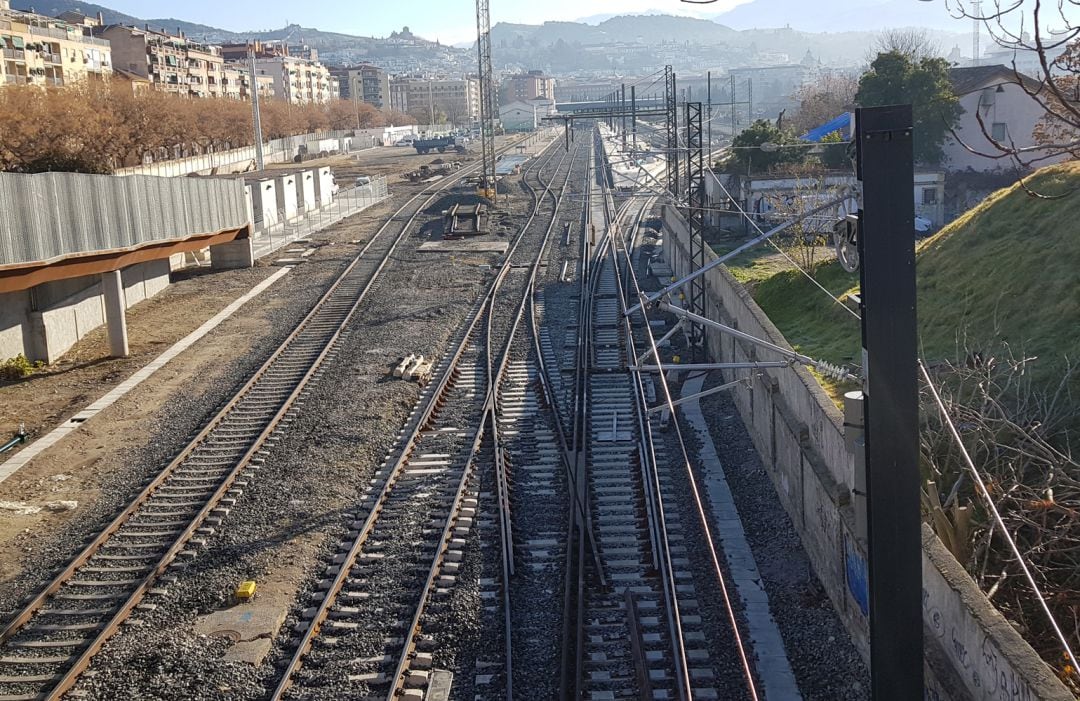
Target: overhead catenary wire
{"x":999,"y":522}
{"x":655,"y":351}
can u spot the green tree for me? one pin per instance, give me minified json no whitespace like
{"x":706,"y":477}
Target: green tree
{"x":895,"y":78}
{"x":834,"y":154}
{"x":748,"y":156}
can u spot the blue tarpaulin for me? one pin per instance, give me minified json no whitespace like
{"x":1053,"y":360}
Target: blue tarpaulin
{"x":843,"y":122}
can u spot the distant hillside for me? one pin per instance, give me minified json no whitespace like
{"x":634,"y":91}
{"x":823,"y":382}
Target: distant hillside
{"x":647,"y":29}
{"x":294,"y":33}
{"x":55,"y":7}
{"x":840,"y":15}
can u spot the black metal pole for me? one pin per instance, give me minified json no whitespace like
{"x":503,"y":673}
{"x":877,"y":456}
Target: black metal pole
{"x":633,"y":115}
{"x":887,"y":253}
{"x":734,"y":119}
{"x":708,"y":113}
{"x":622,"y":108}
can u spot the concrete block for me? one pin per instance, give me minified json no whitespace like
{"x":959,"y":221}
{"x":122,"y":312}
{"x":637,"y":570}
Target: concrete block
{"x":286,"y":196}
{"x":305,"y":190}
{"x":232,"y":255}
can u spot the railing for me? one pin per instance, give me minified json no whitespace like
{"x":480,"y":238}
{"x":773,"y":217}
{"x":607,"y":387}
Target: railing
{"x":15,"y":54}
{"x":14,"y":79}
{"x":51,"y":58}
{"x":53,"y":33}
{"x":269,"y":237}
{"x":54,"y":81}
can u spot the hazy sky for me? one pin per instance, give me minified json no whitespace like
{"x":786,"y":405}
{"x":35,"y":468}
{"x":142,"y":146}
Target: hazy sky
{"x":447,"y":20}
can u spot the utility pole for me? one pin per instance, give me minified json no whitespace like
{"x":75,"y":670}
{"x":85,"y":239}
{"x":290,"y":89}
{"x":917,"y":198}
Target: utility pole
{"x":260,"y":163}
{"x":487,"y":98}
{"x":431,"y":103}
{"x":708,"y":113}
{"x":695,"y":221}
{"x":734,"y":119}
{"x":750,"y":99}
{"x":976,"y":12}
{"x":633,"y":116}
{"x":622,"y":108}
{"x":891,"y":408}
{"x":672,"y":130}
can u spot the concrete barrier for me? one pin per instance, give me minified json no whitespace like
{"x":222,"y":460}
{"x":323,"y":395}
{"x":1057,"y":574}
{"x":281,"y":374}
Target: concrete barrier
{"x":971,"y":650}
{"x":51,"y":319}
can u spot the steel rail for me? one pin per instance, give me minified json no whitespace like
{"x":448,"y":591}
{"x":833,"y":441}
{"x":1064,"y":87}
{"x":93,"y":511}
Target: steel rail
{"x":70,"y":675}
{"x":651,"y":480}
{"x":744,"y":657}
{"x":577,"y":585}
{"x":489,"y":418}
{"x":432,"y":406}
{"x":495,"y":380}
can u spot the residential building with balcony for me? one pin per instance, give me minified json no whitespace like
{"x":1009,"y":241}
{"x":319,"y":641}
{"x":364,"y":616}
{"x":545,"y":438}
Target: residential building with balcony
{"x":160,"y":57}
{"x":299,"y":81}
{"x":364,"y":83}
{"x":39,"y":50}
{"x":261,"y":49}
{"x":527,"y":86}
{"x":457,"y":99}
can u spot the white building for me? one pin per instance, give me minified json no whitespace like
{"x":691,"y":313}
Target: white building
{"x":298,"y":80}
{"x":457,"y":99}
{"x":526,"y":115}
{"x":518,"y":116}
{"x":1007,"y":111}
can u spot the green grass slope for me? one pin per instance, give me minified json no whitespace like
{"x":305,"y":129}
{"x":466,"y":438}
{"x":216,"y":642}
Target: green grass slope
{"x":1008,"y":270}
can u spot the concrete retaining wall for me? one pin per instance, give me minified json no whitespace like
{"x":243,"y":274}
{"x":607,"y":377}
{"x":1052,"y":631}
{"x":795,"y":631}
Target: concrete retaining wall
{"x":45,"y":322}
{"x":972,"y":652}
{"x":233,"y":160}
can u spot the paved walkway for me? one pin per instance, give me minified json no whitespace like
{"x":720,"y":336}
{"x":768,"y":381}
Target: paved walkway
{"x":772,"y":665}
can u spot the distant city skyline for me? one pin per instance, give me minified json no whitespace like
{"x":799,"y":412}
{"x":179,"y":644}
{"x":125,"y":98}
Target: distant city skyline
{"x":449,"y":21}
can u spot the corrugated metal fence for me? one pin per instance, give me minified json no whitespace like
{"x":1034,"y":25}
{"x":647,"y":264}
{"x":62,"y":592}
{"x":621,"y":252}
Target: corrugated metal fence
{"x":56,"y":214}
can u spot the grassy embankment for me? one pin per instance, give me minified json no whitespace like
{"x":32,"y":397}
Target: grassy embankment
{"x":1007,"y":270}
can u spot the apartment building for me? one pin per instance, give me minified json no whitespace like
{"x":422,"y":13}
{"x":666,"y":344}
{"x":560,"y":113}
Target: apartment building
{"x":170,"y":62}
{"x":236,"y":82}
{"x":298,"y":80}
{"x":528,"y":86}
{"x":261,"y":49}
{"x":456,"y":99}
{"x":364,"y":83}
{"x":39,"y":50}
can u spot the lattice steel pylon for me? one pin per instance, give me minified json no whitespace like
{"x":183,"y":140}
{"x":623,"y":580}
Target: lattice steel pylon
{"x":672,"y":130}
{"x":695,"y":218}
{"x":487,"y":101}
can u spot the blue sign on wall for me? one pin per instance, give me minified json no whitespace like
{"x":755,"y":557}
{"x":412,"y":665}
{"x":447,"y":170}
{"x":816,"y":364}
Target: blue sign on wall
{"x":855,"y":564}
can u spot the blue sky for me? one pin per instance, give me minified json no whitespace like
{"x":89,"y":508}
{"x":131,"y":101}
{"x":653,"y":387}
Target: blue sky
{"x":447,"y":20}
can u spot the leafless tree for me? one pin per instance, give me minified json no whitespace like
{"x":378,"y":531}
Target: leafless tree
{"x":916,"y":44}
{"x":1017,"y":433}
{"x":831,"y":94}
{"x":1049,"y":31}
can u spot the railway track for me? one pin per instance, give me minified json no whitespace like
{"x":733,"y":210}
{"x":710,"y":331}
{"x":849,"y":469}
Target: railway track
{"x":631,"y":625}
{"x":374,"y":631}
{"x":46,"y":645}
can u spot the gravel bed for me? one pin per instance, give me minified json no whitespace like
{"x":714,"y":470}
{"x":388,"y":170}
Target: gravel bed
{"x":826,"y":664}
{"x":168,"y":431}
{"x":294,"y":515}
{"x":729,"y":680}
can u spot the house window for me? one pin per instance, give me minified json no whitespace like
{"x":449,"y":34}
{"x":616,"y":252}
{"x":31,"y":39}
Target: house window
{"x":929,"y":195}
{"x":999,"y":131}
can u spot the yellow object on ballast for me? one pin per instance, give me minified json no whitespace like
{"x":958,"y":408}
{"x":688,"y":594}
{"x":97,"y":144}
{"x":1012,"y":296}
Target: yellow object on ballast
{"x":246,"y":590}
